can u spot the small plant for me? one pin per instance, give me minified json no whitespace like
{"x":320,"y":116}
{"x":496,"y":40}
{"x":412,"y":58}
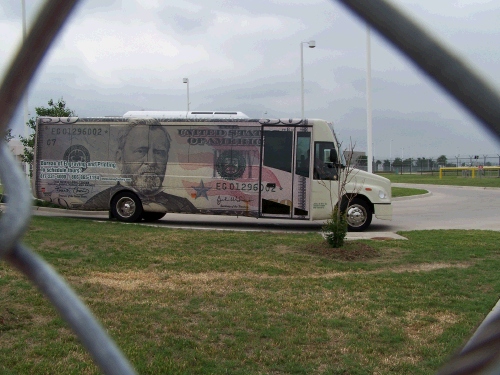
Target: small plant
{"x":335,"y":228}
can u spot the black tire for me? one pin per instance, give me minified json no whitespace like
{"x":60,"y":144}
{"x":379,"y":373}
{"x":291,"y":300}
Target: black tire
{"x":126,"y":206}
{"x":152,"y":216}
{"x":358,"y":215}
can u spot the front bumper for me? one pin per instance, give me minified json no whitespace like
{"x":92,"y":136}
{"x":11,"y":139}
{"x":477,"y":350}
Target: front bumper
{"x":383,"y":211}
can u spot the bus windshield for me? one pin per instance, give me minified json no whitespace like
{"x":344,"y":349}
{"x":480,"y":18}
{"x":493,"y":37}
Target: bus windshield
{"x":324,"y":169}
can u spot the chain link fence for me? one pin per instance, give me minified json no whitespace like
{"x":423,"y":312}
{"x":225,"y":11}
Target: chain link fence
{"x":15,"y":220}
{"x":430,"y":165}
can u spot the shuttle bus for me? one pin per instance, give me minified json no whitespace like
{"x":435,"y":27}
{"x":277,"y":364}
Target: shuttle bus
{"x":142,"y":167}
{"x":188,"y":114}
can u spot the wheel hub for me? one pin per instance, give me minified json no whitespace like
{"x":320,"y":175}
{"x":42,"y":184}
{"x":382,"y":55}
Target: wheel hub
{"x":126,"y":207}
{"x":356,"y":216}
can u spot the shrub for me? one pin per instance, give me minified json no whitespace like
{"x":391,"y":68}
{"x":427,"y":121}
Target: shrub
{"x":335,"y":228}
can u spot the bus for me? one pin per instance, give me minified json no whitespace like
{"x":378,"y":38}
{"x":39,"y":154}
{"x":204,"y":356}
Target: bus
{"x":142,"y":167}
{"x":188,"y":114}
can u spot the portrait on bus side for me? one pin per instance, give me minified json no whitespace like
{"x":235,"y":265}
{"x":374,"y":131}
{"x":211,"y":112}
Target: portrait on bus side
{"x":142,"y":152}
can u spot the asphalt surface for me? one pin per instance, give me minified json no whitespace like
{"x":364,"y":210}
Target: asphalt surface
{"x":443,"y":207}
{"x":447,"y":207}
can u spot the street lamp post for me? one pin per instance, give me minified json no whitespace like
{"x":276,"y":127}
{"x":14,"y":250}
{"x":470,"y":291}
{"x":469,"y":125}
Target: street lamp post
{"x":369,"y":133}
{"x":311,"y":44}
{"x":186,"y":80}
{"x":390,"y":155}
{"x":25,"y":95}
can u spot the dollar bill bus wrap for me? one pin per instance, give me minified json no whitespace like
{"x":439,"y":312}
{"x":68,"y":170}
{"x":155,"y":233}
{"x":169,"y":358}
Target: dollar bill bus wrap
{"x":142,"y":168}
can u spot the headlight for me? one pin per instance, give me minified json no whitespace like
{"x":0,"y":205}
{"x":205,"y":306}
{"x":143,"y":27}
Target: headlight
{"x":382,"y":194}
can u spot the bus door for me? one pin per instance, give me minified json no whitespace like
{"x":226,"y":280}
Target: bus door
{"x":285,"y":172}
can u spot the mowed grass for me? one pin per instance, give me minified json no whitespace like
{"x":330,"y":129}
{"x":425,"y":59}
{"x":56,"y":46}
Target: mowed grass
{"x":406,"y":192}
{"x":449,"y":179}
{"x":223,"y":302}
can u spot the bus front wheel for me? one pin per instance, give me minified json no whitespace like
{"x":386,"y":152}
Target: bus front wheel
{"x":358,"y":215}
{"x":126,"y":206}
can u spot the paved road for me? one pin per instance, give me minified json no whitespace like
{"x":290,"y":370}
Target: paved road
{"x":445,"y":207}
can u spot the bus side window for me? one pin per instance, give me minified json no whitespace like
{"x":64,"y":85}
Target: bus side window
{"x":303,"y":154}
{"x":278,"y":150}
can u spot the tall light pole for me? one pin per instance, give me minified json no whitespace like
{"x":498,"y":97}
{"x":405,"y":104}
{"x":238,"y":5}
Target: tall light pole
{"x":369,"y":141}
{"x":186,"y":80}
{"x":25,"y":95}
{"x":390,"y":155}
{"x":311,"y":44}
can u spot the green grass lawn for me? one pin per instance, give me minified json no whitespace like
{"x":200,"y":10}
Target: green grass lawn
{"x":218,"y":302}
{"x":406,"y":192}
{"x":446,"y":180}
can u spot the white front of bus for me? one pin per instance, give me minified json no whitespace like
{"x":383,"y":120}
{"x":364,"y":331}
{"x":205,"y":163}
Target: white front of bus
{"x":366,"y":193}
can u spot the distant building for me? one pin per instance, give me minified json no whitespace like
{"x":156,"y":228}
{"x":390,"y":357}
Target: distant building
{"x":354,"y":158}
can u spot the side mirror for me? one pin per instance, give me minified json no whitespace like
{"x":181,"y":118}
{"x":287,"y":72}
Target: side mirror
{"x":334,"y":158}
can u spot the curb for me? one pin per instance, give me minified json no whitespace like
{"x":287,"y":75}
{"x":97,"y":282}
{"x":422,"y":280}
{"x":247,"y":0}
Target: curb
{"x":376,"y":236}
{"x":52,"y":209}
{"x":76,"y":212}
{"x":421,"y":186}
{"x":411,"y":197}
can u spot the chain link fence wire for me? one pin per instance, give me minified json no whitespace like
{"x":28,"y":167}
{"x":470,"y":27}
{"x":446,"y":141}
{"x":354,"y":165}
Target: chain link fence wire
{"x":434,"y":59}
{"x":430,"y":165}
{"x":15,"y":221}
{"x":479,"y":356}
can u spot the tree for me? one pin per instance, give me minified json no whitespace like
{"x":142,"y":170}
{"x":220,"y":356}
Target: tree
{"x":387,"y":165}
{"x":421,"y":164}
{"x":441,"y":160}
{"x":8,"y":136}
{"x":55,"y":109}
{"x":335,"y":228}
{"x":397,"y":162}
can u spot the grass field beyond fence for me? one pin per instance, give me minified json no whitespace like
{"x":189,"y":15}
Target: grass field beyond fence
{"x":446,"y":180}
{"x":406,"y":192}
{"x":218,"y":302}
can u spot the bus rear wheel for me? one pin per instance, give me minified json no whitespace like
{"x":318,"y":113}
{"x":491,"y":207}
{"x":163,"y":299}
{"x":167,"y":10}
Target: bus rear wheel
{"x":152,"y":216}
{"x":358,"y":215}
{"x":126,"y":206}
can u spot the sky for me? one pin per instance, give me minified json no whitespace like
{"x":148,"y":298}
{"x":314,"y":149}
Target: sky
{"x":115,"y":56}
